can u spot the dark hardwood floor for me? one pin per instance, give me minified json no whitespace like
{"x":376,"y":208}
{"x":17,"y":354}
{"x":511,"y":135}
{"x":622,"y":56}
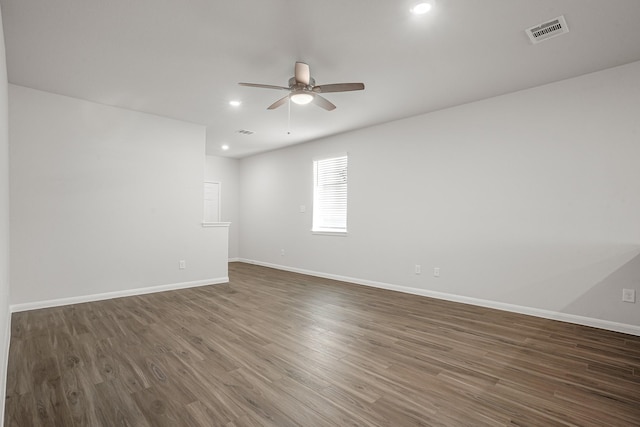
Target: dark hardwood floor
{"x":279,"y":349}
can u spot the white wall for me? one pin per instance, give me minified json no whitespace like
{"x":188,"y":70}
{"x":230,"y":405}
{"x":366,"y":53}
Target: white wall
{"x":4,"y":223}
{"x":530,"y":199}
{"x":227,"y":172}
{"x":104,"y":200}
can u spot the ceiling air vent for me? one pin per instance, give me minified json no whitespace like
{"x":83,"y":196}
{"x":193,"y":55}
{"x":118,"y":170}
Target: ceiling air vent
{"x":246,"y":132}
{"x":547,"y":30}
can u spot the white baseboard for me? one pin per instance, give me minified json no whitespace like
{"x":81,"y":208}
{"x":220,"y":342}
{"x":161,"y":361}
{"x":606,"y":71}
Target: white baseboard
{"x":531,"y":311}
{"x":235,"y":259}
{"x":116,"y":294}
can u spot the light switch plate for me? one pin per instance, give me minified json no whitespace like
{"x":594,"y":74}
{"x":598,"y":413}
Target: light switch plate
{"x":629,"y":295}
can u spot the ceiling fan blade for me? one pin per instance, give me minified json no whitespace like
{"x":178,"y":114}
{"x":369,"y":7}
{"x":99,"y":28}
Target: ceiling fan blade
{"x":302,"y":73}
{"x":338,"y":87}
{"x":323,"y":102}
{"x":264,"y":86}
{"x":278,"y":103}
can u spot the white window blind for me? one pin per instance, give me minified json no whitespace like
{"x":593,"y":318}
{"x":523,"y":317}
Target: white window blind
{"x":211,"y":202}
{"x":330,"y":195}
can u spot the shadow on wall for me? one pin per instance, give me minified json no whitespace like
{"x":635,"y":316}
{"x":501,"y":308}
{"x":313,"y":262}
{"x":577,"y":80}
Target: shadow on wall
{"x":604,"y":299}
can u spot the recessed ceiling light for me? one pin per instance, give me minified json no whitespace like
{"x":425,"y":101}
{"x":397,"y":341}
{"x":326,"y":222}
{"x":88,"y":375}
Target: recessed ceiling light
{"x":421,"y":8}
{"x":225,"y":147}
{"x":235,"y":103}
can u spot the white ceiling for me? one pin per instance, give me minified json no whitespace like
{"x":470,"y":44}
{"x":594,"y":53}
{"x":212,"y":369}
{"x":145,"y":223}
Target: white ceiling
{"x":183,"y":58}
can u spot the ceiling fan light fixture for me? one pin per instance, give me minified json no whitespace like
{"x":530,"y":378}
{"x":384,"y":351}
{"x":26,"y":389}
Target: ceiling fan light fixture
{"x":301,"y":98}
{"x":302,"y":89}
{"x":421,"y":8}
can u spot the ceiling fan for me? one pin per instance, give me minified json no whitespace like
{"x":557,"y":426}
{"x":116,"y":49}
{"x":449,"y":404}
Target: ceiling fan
{"x":303,"y":90}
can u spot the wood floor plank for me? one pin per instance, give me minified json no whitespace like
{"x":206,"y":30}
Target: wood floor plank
{"x":213,"y":398}
{"x":274,"y":348}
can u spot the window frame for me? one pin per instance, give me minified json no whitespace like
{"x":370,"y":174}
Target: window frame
{"x":328,"y":231}
{"x":215,"y":215}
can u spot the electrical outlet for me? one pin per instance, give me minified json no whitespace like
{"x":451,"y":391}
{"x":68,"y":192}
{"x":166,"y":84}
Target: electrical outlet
{"x":303,"y":208}
{"x":436,"y":271}
{"x":281,"y":252}
{"x":629,"y":295}
{"x":182,"y":264}
{"x":418,"y":270}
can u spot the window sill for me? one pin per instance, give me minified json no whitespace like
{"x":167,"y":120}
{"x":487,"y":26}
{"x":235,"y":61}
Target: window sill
{"x":216,"y":224}
{"x":329,"y":233}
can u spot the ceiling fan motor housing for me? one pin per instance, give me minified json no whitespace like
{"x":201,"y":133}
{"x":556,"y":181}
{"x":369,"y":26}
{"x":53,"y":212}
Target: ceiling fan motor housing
{"x":293,"y":84}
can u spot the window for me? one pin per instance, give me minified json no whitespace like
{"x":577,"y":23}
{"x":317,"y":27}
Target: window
{"x":211,"y":202}
{"x":330,"y":195}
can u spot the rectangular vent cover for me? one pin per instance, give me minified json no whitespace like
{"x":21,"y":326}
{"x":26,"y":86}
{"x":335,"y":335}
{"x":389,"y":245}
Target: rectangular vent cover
{"x":548,"y":30}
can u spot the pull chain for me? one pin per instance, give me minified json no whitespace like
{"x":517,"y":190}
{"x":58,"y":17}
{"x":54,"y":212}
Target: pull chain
{"x":289,"y":117}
